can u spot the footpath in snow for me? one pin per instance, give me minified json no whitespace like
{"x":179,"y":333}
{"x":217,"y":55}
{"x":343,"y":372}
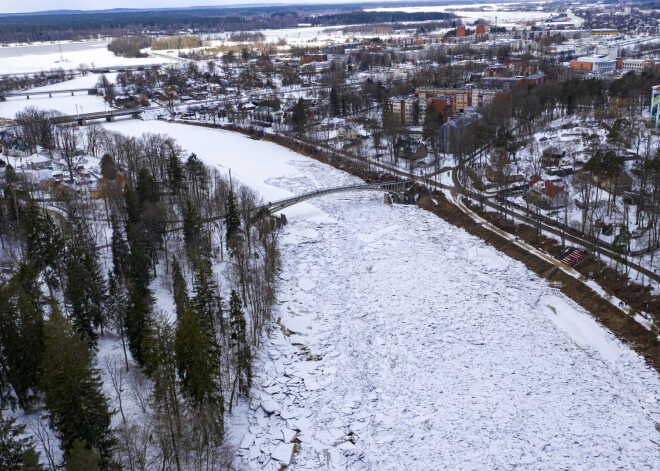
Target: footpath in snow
{"x":402,"y":342}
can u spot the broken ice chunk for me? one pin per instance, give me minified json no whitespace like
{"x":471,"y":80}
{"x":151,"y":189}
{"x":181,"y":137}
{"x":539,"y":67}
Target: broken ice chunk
{"x":283,"y":453}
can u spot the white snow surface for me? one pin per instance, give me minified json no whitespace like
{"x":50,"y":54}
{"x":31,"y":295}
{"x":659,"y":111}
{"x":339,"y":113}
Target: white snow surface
{"x":35,"y":58}
{"x":402,"y":342}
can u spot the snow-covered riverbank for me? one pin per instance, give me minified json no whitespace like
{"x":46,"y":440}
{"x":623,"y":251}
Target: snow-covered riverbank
{"x":405,"y":343}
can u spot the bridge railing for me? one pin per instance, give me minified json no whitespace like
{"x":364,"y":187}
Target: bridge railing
{"x":274,"y":206}
{"x":367,"y":186}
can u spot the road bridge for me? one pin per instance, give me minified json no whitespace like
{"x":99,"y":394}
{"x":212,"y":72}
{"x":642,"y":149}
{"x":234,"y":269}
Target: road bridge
{"x":123,"y":68}
{"x":50,"y":93}
{"x":83,"y":118}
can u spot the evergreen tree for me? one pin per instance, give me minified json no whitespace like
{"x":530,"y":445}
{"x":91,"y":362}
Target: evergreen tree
{"x":416,"y":112}
{"x":198,"y":366}
{"x":179,"y":289}
{"x":386,"y":113}
{"x":232,"y":223}
{"x":21,"y":336}
{"x":196,"y":245}
{"x":161,"y":366}
{"x":10,"y":174}
{"x":146,"y":188}
{"x":43,"y":243}
{"x":108,"y":167}
{"x":299,"y":116}
{"x":84,"y":290}
{"x":17,"y":452}
{"x":335,"y":106}
{"x":138,"y":264}
{"x":140,"y":298}
{"x":82,"y":458}
{"x":175,"y":173}
{"x":196,"y":174}
{"x":237,"y":326}
{"x":120,"y":253}
{"x":72,"y":389}
{"x":207,"y":301}
{"x":132,"y":207}
{"x":150,"y":225}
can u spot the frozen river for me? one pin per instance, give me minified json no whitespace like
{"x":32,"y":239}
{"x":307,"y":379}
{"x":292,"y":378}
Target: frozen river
{"x":405,"y":343}
{"x":35,"y":58}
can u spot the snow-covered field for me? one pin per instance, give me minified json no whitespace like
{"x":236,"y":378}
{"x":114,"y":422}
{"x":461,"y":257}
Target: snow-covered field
{"x":402,"y":342}
{"x":30,"y":59}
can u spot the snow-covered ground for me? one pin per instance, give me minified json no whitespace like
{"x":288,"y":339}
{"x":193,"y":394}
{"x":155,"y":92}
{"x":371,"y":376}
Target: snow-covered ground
{"x":31,"y":59}
{"x":403,"y":342}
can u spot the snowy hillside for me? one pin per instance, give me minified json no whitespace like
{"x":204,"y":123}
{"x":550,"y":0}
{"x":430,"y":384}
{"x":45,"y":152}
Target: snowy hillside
{"x":405,"y":343}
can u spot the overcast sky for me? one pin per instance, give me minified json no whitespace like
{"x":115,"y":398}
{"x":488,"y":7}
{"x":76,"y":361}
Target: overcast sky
{"x":22,"y":6}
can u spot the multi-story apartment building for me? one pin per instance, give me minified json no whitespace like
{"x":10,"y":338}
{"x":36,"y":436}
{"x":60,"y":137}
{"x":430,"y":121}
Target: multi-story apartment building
{"x":463,"y":98}
{"x":404,"y":107}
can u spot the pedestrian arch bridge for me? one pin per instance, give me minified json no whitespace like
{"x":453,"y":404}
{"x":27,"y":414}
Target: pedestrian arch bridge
{"x":276,"y":206}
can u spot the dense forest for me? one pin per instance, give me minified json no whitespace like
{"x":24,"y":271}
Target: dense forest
{"x":159,"y":284}
{"x":78,"y":25}
{"x":369,"y":17}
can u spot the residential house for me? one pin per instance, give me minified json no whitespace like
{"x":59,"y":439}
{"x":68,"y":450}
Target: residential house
{"x":547,"y":194}
{"x":498,"y":176}
{"x":18,"y":148}
{"x":618,"y":185}
{"x":102,"y":187}
{"x":410,"y":150}
{"x":263,"y":114}
{"x":551,"y":157}
{"x":348,"y":131}
{"x":42,"y":162}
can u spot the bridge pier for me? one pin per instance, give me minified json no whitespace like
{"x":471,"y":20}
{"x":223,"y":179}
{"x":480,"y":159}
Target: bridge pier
{"x":28,"y":96}
{"x":82,"y":122}
{"x":135,"y":115}
{"x":110,"y":119}
{"x":71,"y":93}
{"x":50,"y":95}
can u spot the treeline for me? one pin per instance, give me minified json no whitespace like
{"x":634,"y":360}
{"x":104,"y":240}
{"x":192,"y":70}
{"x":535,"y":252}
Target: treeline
{"x":176,"y":42}
{"x":129,"y":47}
{"x":53,"y":26}
{"x":539,"y":105}
{"x":247,"y":37}
{"x":10,"y":83}
{"x":182,"y":367}
{"x":368,"y":17}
